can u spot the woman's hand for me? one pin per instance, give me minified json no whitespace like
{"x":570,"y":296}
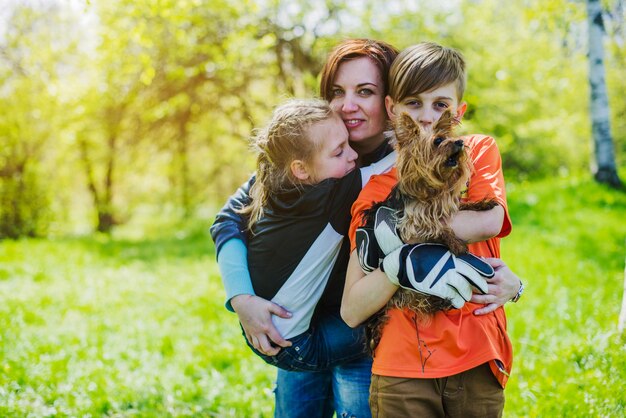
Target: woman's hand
{"x":255,"y":315}
{"x":503,"y":286}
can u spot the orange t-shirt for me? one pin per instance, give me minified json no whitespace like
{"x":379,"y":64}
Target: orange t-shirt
{"x":456,"y":340}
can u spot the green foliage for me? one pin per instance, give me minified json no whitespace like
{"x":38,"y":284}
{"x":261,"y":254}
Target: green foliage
{"x":127,"y":326}
{"x":123,"y":105}
{"x":29,"y":122}
{"x":24,"y":204}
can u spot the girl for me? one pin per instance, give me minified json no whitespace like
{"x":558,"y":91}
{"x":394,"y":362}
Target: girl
{"x":305,"y":185}
{"x":354,"y":81}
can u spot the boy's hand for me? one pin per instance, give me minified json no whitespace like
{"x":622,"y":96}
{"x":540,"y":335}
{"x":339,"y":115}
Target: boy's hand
{"x":255,"y":315}
{"x":502,"y":287}
{"x":373,"y":244}
{"x":471,"y":267}
{"x":433,"y":270}
{"x":369,"y":253}
{"x":385,"y":230}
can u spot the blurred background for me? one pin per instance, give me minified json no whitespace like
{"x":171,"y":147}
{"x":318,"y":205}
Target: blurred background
{"x":114,"y":111}
{"x":124,"y":126}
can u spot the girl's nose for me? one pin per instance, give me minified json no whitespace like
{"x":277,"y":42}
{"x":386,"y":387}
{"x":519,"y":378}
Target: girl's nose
{"x":352,"y":155}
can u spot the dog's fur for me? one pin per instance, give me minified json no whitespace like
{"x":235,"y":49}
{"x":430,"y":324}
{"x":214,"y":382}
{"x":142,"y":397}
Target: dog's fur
{"x":433,"y":170}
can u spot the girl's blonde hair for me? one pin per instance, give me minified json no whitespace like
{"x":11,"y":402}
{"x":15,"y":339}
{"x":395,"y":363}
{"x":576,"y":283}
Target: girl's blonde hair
{"x":283,"y":140}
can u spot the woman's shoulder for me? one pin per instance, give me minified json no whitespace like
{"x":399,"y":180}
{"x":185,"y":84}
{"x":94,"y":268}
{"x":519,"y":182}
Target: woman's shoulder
{"x":379,"y":186}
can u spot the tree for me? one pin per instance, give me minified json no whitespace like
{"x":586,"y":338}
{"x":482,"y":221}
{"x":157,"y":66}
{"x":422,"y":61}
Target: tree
{"x":605,"y":170}
{"x":622,"y":316}
{"x":30,"y":117}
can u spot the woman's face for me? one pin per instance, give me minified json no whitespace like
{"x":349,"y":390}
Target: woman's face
{"x":359,"y":100}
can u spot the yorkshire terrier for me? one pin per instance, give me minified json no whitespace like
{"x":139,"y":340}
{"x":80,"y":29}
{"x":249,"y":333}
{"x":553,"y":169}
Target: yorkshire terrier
{"x":433,"y":171}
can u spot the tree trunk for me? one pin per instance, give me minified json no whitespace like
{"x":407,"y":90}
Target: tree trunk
{"x":622,"y":316}
{"x":101,"y":202}
{"x":182,"y":157}
{"x":605,"y":169}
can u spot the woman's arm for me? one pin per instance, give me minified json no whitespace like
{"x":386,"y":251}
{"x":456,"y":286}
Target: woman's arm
{"x":364,"y":295}
{"x":503,"y":286}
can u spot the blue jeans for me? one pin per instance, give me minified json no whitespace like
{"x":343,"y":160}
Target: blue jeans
{"x":327,"y":343}
{"x":344,"y":389}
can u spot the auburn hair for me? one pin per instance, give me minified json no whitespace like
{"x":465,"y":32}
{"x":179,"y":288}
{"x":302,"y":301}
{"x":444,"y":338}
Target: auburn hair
{"x":381,"y":53}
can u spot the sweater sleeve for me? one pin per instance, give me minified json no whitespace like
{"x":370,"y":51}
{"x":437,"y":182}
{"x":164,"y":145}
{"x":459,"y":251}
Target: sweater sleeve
{"x":231,"y":245}
{"x":233,"y":265}
{"x":228,"y":223}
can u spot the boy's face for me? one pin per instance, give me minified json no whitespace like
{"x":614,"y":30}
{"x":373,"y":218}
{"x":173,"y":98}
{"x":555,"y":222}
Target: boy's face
{"x":426,"y":108}
{"x":334,"y":158}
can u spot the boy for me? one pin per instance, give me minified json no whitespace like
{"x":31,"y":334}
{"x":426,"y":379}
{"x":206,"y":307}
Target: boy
{"x":457,"y":363}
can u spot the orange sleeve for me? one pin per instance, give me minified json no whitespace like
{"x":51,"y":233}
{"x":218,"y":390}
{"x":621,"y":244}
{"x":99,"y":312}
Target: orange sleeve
{"x":487,"y":180}
{"x":376,"y":190}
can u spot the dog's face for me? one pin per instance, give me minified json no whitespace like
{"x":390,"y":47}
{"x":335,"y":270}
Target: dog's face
{"x":430,"y":162}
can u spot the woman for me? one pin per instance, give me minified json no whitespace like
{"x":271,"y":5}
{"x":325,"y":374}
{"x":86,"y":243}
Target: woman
{"x":354,"y":81}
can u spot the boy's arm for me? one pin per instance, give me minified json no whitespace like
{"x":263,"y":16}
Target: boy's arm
{"x":364,"y":295}
{"x":472,"y":226}
{"x":487,"y":182}
{"x":254,"y":312}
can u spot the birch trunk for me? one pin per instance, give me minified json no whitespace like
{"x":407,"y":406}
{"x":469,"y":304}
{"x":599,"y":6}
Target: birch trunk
{"x":622,"y":316}
{"x":605,"y":169}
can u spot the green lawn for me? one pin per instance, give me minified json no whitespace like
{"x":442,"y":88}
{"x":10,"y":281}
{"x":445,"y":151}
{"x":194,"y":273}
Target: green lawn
{"x":136,"y":327}
{"x":569,"y":242}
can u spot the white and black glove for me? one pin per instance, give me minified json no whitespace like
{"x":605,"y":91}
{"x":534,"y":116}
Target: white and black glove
{"x":433,"y":270}
{"x":369,"y":253}
{"x":385,"y":230}
{"x":468,"y":266}
{"x":373,"y":244}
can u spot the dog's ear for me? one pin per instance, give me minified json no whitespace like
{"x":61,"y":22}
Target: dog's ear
{"x":445,"y":125}
{"x":406,"y":129}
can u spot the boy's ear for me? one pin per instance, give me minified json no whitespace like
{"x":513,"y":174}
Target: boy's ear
{"x":460,"y":111}
{"x":389,"y":105}
{"x":299,"y":171}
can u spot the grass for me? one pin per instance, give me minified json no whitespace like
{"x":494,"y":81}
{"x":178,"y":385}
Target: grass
{"x":99,"y":326}
{"x":569,"y":243}
{"x":109,"y":327}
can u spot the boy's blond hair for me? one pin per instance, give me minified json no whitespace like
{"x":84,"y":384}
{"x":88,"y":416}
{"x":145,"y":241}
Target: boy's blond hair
{"x":285,"y":139}
{"x":424,"y":67}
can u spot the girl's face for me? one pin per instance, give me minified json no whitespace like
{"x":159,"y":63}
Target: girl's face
{"x":334,"y":158}
{"x":359,"y":101}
